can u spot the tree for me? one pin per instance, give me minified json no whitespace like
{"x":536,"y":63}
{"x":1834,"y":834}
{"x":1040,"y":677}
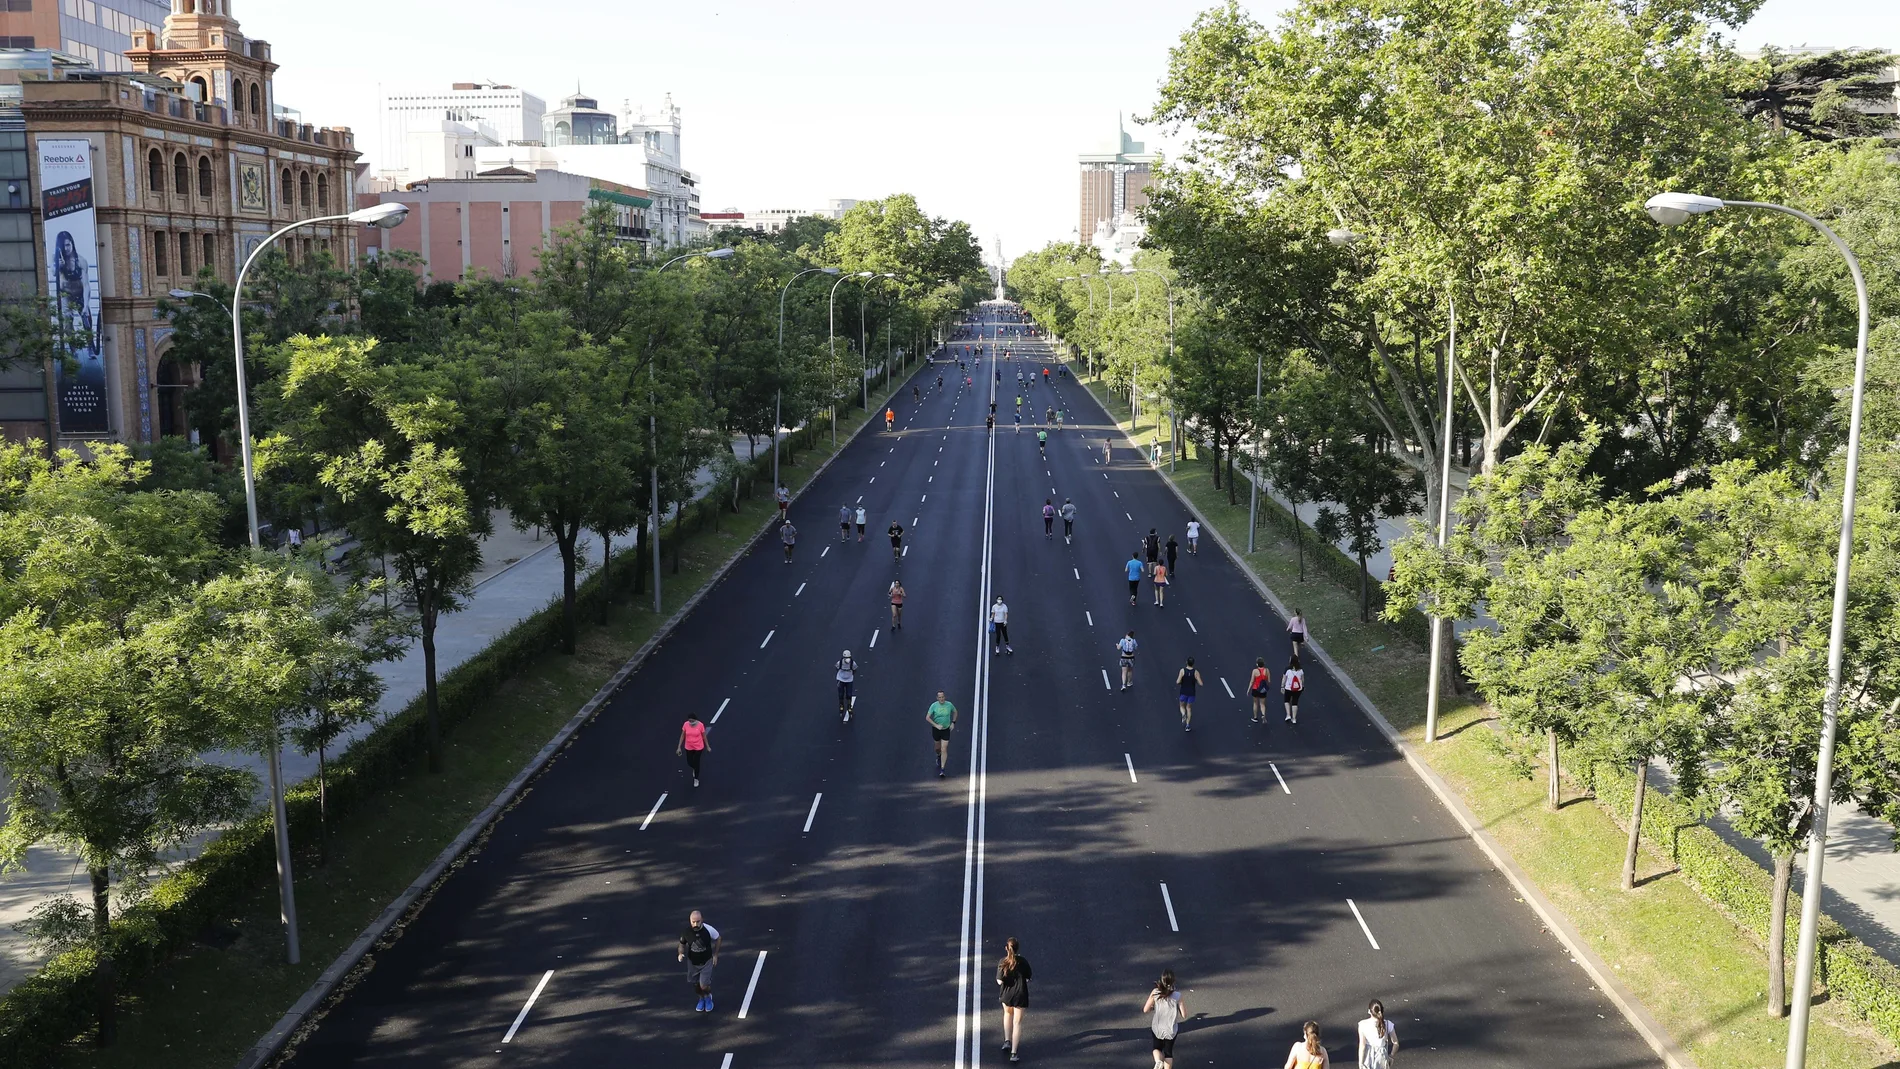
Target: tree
{"x":1823,"y":96}
{"x":1209,"y":381}
{"x":1362,"y":485}
{"x":102,"y":716}
{"x":1298,"y":419}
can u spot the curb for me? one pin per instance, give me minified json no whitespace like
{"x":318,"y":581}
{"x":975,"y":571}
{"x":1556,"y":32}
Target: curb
{"x":303,"y":1014}
{"x":1633,"y":1011}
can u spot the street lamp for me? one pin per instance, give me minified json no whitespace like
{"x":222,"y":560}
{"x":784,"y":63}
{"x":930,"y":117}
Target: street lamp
{"x":864,"y":344}
{"x":383,"y":216}
{"x":1671,"y":209}
{"x":832,"y":324}
{"x":653,"y":431}
{"x":778,"y":396}
{"x":1168,"y":287}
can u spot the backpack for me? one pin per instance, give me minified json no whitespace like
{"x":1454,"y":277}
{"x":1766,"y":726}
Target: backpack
{"x":1296,"y":682}
{"x":1260,"y":684}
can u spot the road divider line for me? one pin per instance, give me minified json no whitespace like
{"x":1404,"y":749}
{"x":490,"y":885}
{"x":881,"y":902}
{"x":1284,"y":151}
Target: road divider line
{"x":1131,"y":518}
{"x":874,"y":640}
{"x":1190,"y":623}
{"x":727,"y":1064}
{"x":1117,"y":493}
{"x":906,"y":552}
{"x":768,"y":637}
{"x":1225,"y":687}
{"x":1168,"y":900}
{"x":813,"y":815}
{"x":923,"y":499}
{"x":1077,"y":571}
{"x":653,"y":811}
{"x":1091,"y":617}
{"x":746,"y":1006}
{"x":1105,"y":683}
{"x":1362,"y":923}
{"x":873,"y":479}
{"x":929,"y":479}
{"x":824,"y":551}
{"x":913,"y":521}
{"x":1131,"y":763}
{"x":1276,"y":775}
{"x":800,"y":590}
{"x":721,"y":709}
{"x":860,"y":500}
{"x":523,"y":1015}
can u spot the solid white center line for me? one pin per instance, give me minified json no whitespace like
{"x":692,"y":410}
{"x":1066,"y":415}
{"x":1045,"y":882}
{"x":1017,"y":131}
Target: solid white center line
{"x":523,"y":1015}
{"x":1225,"y":687}
{"x":1105,"y":685}
{"x":874,"y":640}
{"x":1091,"y":617}
{"x":768,"y":637}
{"x":1362,"y":923}
{"x":1190,"y":623}
{"x":721,"y":709}
{"x":813,"y":815}
{"x":824,"y":551}
{"x":1282,"y":779}
{"x":1168,"y":901}
{"x":746,"y":1006}
{"x":800,"y":590}
{"x":651,"y":812}
{"x":1131,"y":768}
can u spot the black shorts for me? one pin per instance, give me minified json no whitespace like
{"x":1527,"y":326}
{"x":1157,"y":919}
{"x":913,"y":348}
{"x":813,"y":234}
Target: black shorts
{"x":938,"y":734}
{"x":1164,"y":1047}
{"x":1291,"y":697}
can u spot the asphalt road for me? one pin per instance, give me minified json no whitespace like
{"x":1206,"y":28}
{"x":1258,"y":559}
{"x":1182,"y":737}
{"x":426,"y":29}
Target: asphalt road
{"x":1283,"y":873}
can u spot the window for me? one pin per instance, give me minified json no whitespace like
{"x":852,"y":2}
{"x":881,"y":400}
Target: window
{"x":237,"y":96}
{"x":184,"y":254}
{"x":285,"y":198}
{"x":181,"y":175}
{"x":160,"y":266}
{"x":16,"y":42}
{"x":204,"y":176}
{"x":204,"y":91}
{"x":17,"y":5}
{"x":303,"y":188}
{"x":323,"y":192}
{"x":255,"y":97}
{"x":210,"y":258}
{"x":155,"y":171}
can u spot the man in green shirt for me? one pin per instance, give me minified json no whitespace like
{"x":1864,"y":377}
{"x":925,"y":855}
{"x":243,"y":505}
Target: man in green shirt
{"x":943,"y":720}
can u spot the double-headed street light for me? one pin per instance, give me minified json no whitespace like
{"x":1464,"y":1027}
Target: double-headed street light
{"x":1672,"y":209}
{"x":653,"y":429}
{"x":778,"y":396}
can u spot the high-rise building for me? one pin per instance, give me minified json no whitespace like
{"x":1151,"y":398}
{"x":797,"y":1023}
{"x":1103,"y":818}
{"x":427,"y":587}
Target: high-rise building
{"x":1113,"y":183}
{"x":97,"y":31}
{"x":512,"y":114}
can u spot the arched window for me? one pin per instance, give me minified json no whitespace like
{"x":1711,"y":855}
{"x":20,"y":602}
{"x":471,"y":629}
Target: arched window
{"x":256,"y":97}
{"x":285,"y":198}
{"x":303,"y":188}
{"x":323,"y":192}
{"x":181,"y":175}
{"x":161,"y":264}
{"x":171,"y":397}
{"x":155,"y":171}
{"x":204,"y":176}
{"x":184,"y":254}
{"x":210,"y":259}
{"x":204,"y":91}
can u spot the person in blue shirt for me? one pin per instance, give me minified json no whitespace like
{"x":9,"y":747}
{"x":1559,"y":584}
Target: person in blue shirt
{"x":1134,"y":576}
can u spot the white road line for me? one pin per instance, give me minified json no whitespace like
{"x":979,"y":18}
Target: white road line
{"x":813,"y":815}
{"x":721,"y":709}
{"x":1091,"y":617}
{"x":860,"y":500}
{"x":746,"y":1006}
{"x":1105,"y":685}
{"x":930,"y":479}
{"x":1131,"y":519}
{"x":1131,"y":763}
{"x":1362,"y":924}
{"x":913,"y":521}
{"x":906,"y":552}
{"x":874,"y":640}
{"x":1225,"y":687}
{"x":1190,"y":623}
{"x":523,"y":1015}
{"x":824,"y":551}
{"x":1117,"y":493}
{"x":654,"y":810}
{"x":800,"y":590}
{"x":873,"y":479}
{"x":768,"y":637}
{"x":1105,"y":475}
{"x":881,"y":463}
{"x":1168,"y":901}
{"x":1282,"y":779}
{"x":970,"y":964}
{"x":727,"y":1064}
{"x":1077,"y":571}
{"x":923,"y":499}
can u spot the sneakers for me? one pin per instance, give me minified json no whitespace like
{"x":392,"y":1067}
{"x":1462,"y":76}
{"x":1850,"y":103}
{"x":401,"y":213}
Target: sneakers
{"x":847,"y":716}
{"x":1005,"y":1047}
{"x":1011,"y":650}
{"x":704,"y":1004}
{"x":695,"y":781}
{"x":708,"y":1003}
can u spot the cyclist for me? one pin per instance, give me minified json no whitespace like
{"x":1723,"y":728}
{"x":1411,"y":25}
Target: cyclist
{"x":847,"y":685}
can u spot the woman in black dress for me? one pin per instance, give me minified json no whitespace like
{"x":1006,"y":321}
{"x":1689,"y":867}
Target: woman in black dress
{"x":1012,"y":977}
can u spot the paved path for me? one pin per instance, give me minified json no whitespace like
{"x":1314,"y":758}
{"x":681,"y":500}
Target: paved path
{"x":863,"y":900}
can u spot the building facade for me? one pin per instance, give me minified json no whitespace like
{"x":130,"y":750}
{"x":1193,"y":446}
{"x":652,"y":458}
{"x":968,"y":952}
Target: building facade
{"x":141,"y":181}
{"x":496,"y":225}
{"x":512,"y":114}
{"x":1113,"y":183}
{"x":97,"y":31}
{"x":773,"y":220}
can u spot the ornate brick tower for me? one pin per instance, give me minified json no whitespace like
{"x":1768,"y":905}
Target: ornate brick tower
{"x":203,"y":49}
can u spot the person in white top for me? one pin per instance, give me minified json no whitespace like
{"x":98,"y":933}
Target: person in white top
{"x":1292,"y":682}
{"x":1296,"y":630}
{"x":860,"y":519}
{"x":1194,"y":536}
{"x":1169,"y":1010}
{"x":1378,"y":1038}
{"x":999,"y":623}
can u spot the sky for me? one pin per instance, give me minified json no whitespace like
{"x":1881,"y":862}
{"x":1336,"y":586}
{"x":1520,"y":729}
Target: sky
{"x":978,"y":108}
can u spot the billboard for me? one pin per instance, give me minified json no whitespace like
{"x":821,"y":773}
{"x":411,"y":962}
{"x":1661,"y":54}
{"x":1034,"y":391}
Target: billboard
{"x":72,"y":283}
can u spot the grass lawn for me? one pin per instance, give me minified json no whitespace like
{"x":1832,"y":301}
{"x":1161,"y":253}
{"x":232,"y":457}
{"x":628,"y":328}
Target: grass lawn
{"x":203,"y":1009}
{"x":1704,"y":978}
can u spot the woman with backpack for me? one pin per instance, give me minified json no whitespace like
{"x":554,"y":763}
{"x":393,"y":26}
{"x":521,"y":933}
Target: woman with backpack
{"x":1168,"y":1011}
{"x":1259,"y":686}
{"x":1292,"y":682}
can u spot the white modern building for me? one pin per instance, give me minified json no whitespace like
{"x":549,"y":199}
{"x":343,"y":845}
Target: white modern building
{"x":773,"y":220}
{"x":511,"y":114}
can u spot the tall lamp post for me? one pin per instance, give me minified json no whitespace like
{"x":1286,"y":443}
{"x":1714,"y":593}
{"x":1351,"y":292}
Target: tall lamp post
{"x":832,"y":323}
{"x":1672,"y":209}
{"x":382,"y":216}
{"x":653,"y":433}
{"x":1168,"y":287}
{"x":864,"y":344}
{"x":778,"y":396}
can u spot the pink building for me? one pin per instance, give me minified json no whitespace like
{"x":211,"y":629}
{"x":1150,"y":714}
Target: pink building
{"x":494,"y":225}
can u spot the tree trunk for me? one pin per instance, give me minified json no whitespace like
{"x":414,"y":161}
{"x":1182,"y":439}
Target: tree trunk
{"x":1299,"y":537}
{"x":1217,"y":467}
{"x":105,"y":977}
{"x":606,"y":571}
{"x":1233,"y":497}
{"x":432,"y":702}
{"x":1555,"y":795}
{"x":1778,"y":935}
{"x":1636,"y":825}
{"x":323,"y":806}
{"x":679,"y":517}
{"x":1365,"y":592}
{"x":566,"y":538}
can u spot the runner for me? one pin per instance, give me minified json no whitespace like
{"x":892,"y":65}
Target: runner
{"x":1187,"y":680}
{"x":784,"y":503}
{"x":1019,"y":419}
{"x":1049,"y":415}
{"x":1168,"y":1008}
{"x":844,"y":523}
{"x":1042,"y":444}
{"x":1012,"y":977}
{"x":1378,"y":1038}
{"x":1151,"y":548}
{"x":1068,"y":522}
{"x":1161,"y":585}
{"x":890,"y":419}
{"x":943,"y":720}
{"x":896,"y":532}
{"x":989,"y":422}
{"x":916,"y":395}
{"x":1194,"y":537}
{"x":999,"y":623}
{"x":858,"y":517}
{"x":1309,"y":1052}
{"x":1169,"y":551}
{"x":693,"y":744}
{"x":1048,"y":518}
{"x":1292,"y":682}
{"x":1259,"y":685}
{"x":1134,"y":577}
{"x":699,"y":949}
{"x":897,"y":604}
{"x":1125,"y":648}
{"x":788,"y":535}
{"x":1296,"y":630}
{"x":847,"y":685}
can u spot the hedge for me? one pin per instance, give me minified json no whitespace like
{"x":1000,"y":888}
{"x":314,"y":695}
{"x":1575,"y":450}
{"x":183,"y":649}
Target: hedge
{"x":45,"y":1013}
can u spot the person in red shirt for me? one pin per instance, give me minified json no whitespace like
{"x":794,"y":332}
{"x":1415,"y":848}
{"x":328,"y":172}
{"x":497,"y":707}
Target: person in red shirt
{"x":694,"y":744}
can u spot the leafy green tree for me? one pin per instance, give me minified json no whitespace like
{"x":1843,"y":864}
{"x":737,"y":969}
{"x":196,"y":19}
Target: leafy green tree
{"x":1298,"y":419}
{"x":1362,"y":485}
{"x":1824,"y":97}
{"x":1211,"y":384}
